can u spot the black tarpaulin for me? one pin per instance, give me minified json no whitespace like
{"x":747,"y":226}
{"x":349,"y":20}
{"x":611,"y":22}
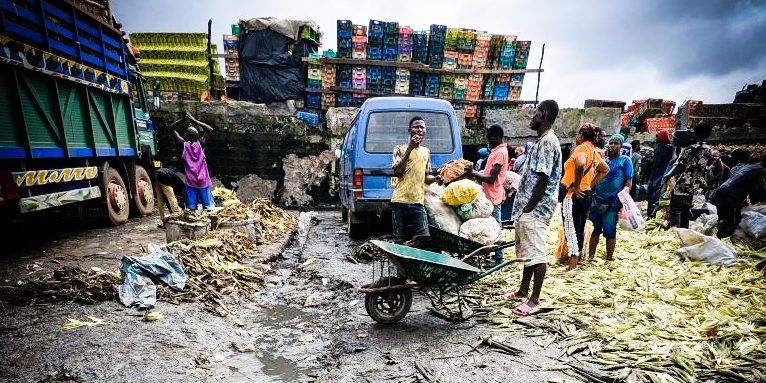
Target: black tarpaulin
{"x":268,"y":71}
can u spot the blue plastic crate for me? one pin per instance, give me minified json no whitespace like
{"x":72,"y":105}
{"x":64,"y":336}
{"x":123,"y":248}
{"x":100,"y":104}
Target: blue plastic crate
{"x":435,"y":60}
{"x":500,"y":92}
{"x":311,"y":117}
{"x":314,"y":100}
{"x":345,"y":42}
{"x":374,"y":72}
{"x":375,"y":29}
{"x":374,"y":84}
{"x":389,"y":71}
{"x":433,"y":79}
{"x":345,"y":24}
{"x":431,"y":91}
{"x":344,"y":33}
{"x":374,"y":53}
{"x":344,"y":99}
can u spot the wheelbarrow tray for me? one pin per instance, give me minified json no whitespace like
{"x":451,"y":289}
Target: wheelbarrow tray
{"x":446,"y":241}
{"x":427,"y":268}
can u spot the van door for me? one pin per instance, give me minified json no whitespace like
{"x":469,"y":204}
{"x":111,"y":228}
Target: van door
{"x":347,"y":164}
{"x":388,"y":128}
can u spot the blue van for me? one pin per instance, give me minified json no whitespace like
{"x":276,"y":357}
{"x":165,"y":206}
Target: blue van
{"x":366,"y":174}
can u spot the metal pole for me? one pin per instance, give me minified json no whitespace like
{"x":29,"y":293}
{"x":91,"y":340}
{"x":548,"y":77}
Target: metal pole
{"x":210,"y":59}
{"x":537,"y":92}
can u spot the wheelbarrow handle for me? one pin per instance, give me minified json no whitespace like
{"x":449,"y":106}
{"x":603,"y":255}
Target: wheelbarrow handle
{"x":489,"y":249}
{"x":496,"y":268}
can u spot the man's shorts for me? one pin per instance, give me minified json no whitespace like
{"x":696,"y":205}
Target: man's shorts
{"x":530,"y":239}
{"x":194,"y":196}
{"x":409,"y":220}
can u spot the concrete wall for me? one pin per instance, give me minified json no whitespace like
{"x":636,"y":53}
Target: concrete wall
{"x":516,"y":123}
{"x":248,"y":139}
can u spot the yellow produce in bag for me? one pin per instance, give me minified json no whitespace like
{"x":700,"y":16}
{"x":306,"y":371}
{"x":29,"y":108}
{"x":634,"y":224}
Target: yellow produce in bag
{"x":461,"y":192}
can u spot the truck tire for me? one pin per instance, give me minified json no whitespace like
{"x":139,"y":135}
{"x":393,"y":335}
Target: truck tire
{"x":359,"y":229}
{"x":116,"y":197}
{"x":143,"y":196}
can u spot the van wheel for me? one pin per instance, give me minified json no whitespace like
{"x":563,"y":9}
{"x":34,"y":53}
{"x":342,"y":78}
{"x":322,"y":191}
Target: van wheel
{"x":116,"y":197}
{"x":143,"y":197}
{"x":343,"y":213}
{"x":359,"y":229}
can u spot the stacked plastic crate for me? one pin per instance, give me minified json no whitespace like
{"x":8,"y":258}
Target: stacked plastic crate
{"x":405,"y":44}
{"x":359,"y":39}
{"x":375,"y":40}
{"x":314,"y":76}
{"x":417,"y":83}
{"x":390,"y":41}
{"x":231,"y":64}
{"x":344,"y":75}
{"x":432,"y":85}
{"x":359,"y":82}
{"x":502,"y":86}
{"x":402,"y":81}
{"x":328,"y":81}
{"x":461,"y":87}
{"x":388,"y":79}
{"x":481,"y":52}
{"x":178,"y":60}
{"x":466,"y":44}
{"x":345,"y":41}
{"x":420,"y":47}
{"x":507,"y":53}
{"x":450,"y":48}
{"x":447,"y":86}
{"x":521,"y":55}
{"x":374,"y":78}
{"x":436,"y":41}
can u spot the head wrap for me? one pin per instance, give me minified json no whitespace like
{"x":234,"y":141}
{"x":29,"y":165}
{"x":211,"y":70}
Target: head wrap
{"x":483,"y":152}
{"x":618,"y":137}
{"x":663,"y":136}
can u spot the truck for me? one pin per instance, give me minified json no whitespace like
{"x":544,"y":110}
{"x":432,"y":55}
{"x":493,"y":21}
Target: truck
{"x":366,"y":172}
{"x":75,"y":130}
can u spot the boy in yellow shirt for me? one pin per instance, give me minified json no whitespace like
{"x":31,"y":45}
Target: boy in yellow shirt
{"x":411,"y":164}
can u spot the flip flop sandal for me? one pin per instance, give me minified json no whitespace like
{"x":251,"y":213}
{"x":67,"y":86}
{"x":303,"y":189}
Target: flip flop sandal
{"x":511,"y":295}
{"x":522,"y":309}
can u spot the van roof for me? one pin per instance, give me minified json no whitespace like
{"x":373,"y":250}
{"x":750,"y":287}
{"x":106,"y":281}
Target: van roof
{"x":376,"y":103}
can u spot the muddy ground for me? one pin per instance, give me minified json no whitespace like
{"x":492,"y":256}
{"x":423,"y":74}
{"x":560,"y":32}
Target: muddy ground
{"x":308,"y":323}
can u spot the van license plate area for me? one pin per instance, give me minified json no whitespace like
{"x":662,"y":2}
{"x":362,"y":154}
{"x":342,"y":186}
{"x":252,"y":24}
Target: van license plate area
{"x":394,"y":181}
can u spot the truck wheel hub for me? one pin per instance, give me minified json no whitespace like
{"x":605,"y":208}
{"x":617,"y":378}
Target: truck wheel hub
{"x":117,"y":196}
{"x":145,"y":192}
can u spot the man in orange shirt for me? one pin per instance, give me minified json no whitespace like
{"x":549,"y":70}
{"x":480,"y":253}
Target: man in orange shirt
{"x":493,"y":176}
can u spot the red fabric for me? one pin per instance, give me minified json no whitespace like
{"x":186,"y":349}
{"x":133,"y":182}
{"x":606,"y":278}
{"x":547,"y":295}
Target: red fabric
{"x":663,"y":136}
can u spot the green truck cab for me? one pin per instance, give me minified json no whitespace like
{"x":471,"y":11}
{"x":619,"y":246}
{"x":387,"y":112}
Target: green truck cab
{"x":74,"y":116}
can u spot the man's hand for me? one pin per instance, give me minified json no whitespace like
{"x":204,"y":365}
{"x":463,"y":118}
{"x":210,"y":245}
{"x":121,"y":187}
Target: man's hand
{"x":415,"y":141}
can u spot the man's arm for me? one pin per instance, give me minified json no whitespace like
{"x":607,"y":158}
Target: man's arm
{"x":178,"y":137}
{"x":537,"y":192}
{"x":401,"y":166}
{"x":204,"y":126}
{"x":628,"y":173}
{"x":678,"y":166}
{"x":490,"y":178}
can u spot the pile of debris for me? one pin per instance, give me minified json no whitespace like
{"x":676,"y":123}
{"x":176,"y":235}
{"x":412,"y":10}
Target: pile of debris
{"x":648,"y":316}
{"x":368,"y":252}
{"x":63,"y":285}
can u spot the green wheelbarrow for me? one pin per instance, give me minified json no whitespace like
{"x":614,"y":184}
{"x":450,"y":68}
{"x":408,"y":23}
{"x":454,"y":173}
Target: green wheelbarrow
{"x":438,"y":276}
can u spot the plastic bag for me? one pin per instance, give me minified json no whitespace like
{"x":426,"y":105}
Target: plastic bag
{"x":699,"y":247}
{"x":137,"y":289}
{"x":460,"y":192}
{"x":561,"y":248}
{"x":481,"y":230}
{"x":753,"y":224}
{"x":453,"y":169}
{"x":440,"y":214}
{"x":630,"y":217}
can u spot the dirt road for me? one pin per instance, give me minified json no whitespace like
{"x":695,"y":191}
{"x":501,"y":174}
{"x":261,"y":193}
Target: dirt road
{"x":307,"y":324}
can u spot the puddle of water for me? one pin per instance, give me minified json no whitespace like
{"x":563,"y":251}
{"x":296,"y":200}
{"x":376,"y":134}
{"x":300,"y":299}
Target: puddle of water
{"x":280,"y":367}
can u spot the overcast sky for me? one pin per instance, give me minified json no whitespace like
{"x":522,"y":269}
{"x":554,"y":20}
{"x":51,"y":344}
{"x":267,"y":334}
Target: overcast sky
{"x":612,"y":50}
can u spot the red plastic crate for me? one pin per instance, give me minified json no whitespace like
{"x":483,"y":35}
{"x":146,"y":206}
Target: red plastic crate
{"x":464,"y":59}
{"x":654,"y":125}
{"x":450,"y":55}
{"x":405,"y":30}
{"x":667,"y":106}
{"x":470,"y":110}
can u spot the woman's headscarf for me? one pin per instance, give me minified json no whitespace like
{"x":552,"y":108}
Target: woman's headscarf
{"x":618,"y":137}
{"x":663,"y":136}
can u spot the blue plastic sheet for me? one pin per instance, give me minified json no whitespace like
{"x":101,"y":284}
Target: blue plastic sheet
{"x":138,"y":289}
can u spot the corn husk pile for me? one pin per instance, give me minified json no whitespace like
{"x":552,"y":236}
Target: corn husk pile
{"x":188,"y":216}
{"x":274,"y":221}
{"x":67,"y":284}
{"x":223,"y":194}
{"x":648,"y":316}
{"x":234,"y":211}
{"x":214,"y":268}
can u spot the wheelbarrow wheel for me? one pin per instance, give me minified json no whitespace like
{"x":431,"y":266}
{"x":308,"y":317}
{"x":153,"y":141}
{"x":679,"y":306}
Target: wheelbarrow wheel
{"x":388,"y":307}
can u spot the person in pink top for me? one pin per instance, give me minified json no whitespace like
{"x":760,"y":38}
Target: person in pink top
{"x":198,"y":184}
{"x":493,"y":176}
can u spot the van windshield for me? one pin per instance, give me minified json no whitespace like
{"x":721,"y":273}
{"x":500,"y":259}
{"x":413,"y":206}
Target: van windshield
{"x":387,"y":129}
